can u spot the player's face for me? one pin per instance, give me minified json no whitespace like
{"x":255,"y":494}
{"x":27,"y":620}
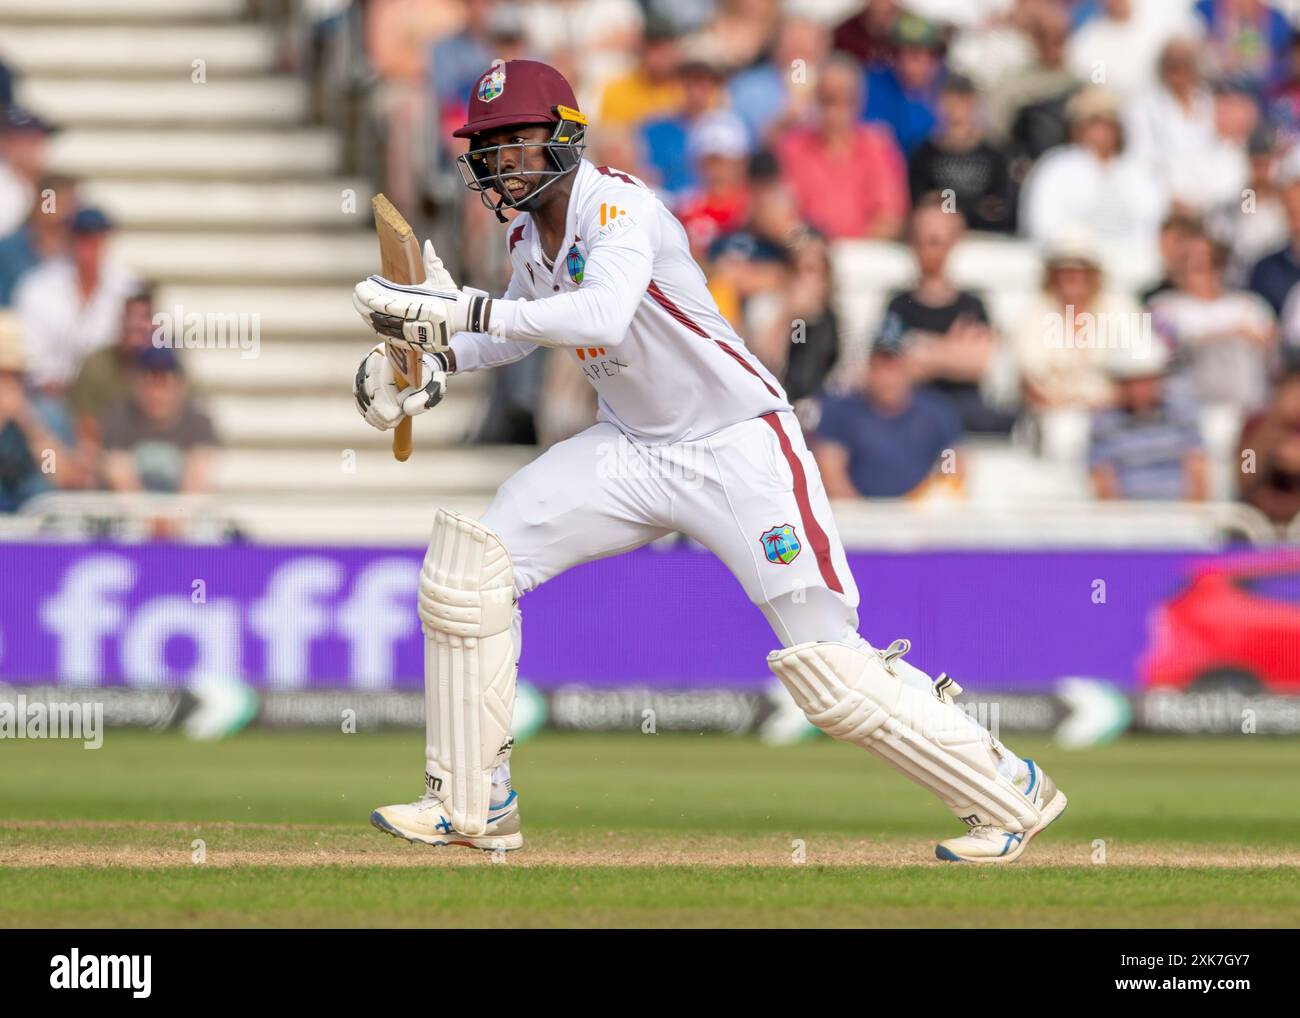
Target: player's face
{"x":522,"y":153}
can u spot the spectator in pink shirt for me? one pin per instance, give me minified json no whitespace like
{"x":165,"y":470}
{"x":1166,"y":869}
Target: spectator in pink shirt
{"x":848,"y":178}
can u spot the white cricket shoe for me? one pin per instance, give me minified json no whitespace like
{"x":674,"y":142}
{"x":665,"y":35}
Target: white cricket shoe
{"x":987,"y":843}
{"x":425,"y":822}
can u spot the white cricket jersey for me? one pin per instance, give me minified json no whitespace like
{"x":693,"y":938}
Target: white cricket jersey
{"x":627,"y":302}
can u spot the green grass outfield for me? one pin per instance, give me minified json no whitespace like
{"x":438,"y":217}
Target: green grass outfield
{"x":634,"y":830}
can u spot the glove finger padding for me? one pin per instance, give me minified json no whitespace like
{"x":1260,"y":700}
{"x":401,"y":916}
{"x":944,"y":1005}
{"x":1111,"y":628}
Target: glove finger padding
{"x":416,"y":400}
{"x":375,"y":391}
{"x":435,"y":272}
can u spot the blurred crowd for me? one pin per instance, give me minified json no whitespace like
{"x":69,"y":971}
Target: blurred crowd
{"x":87,"y":400}
{"x":1158,"y":132}
{"x":790,"y":138}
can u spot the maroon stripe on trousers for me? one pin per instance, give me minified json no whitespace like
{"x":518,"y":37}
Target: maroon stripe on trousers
{"x":821,"y":545}
{"x":681,"y":316}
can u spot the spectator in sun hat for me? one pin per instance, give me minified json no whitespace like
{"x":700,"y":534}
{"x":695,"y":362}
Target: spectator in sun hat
{"x":1054,"y":343}
{"x":23,"y":137}
{"x":1148,"y":445}
{"x":719,"y":147}
{"x":665,"y":140}
{"x":72,"y":306}
{"x":1124,"y":38}
{"x":1092,"y":184}
{"x":1171,"y":125}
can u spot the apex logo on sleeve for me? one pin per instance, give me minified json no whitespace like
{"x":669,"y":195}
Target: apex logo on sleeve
{"x":612,"y":217}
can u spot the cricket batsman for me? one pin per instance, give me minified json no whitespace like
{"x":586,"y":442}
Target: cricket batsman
{"x":694,"y":435}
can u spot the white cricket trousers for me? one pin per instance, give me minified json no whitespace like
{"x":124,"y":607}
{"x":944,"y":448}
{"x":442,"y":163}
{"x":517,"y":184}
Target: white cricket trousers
{"x":750,"y":493}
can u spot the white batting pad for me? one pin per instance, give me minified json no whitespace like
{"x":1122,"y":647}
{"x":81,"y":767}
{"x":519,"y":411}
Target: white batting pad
{"x":851,"y":693}
{"x":466,"y":607}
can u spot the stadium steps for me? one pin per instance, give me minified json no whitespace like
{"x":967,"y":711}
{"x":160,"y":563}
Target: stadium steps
{"x":212,"y":153}
{"x":163,"y":204}
{"x":314,"y":311}
{"x":85,"y":102}
{"x":308,"y":257}
{"x":324,"y":422}
{"x":89,"y":12}
{"x":429,"y":472}
{"x":312,"y":367}
{"x":140,"y":50}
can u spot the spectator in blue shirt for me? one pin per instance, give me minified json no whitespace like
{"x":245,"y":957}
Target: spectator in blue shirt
{"x":44,"y":236}
{"x":905,"y":92}
{"x":1148,"y":446}
{"x":1245,"y":39}
{"x":456,"y":62}
{"x":665,"y":140}
{"x":36,"y":453}
{"x":887,"y":439}
{"x":774,"y":94}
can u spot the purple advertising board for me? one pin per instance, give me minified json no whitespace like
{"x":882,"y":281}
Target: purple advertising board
{"x":285,"y":618}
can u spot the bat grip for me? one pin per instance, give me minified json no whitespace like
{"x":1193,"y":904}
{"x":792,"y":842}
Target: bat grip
{"x":403,"y":442}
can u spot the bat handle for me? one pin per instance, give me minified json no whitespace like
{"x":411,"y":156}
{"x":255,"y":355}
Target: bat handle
{"x":403,"y":441}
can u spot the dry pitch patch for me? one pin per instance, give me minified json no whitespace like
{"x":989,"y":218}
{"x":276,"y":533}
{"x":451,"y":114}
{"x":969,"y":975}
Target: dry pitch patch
{"x":148,"y":845}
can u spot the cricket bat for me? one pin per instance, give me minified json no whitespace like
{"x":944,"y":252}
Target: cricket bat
{"x":400,"y":261}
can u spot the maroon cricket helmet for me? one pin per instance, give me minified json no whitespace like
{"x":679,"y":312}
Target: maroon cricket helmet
{"x":520,"y":93}
{"x":517,"y":92}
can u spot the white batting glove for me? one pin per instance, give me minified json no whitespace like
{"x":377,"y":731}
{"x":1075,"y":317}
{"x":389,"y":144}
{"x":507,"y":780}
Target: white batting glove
{"x":424,"y":317}
{"x":382,"y":403}
{"x":435,"y":273}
